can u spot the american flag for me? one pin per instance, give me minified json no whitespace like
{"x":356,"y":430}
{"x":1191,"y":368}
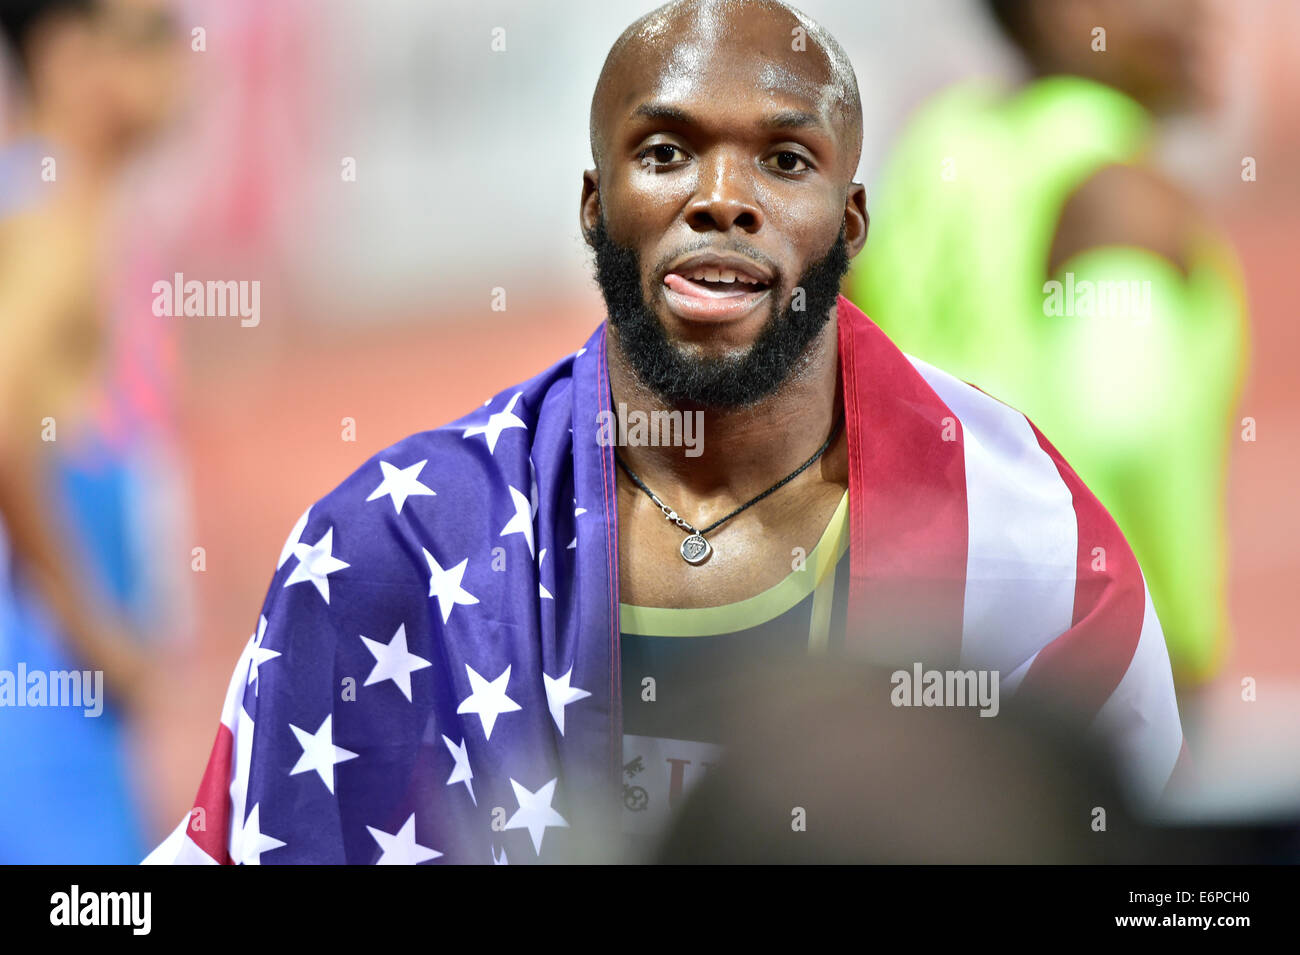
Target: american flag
{"x":434,"y":674}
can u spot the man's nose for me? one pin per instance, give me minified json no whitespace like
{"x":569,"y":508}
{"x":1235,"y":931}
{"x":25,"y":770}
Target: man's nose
{"x":724,"y":197}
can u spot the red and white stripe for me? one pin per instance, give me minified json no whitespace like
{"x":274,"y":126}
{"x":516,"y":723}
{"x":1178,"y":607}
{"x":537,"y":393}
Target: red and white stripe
{"x":215,"y":835}
{"x":955,"y":493}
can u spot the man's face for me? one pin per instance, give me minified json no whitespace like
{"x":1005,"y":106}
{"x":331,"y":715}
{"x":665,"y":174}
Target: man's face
{"x":722,"y":187}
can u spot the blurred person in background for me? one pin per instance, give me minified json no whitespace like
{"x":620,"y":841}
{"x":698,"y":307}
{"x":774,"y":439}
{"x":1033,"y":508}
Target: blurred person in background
{"x":1133,"y":361}
{"x":82,"y":402}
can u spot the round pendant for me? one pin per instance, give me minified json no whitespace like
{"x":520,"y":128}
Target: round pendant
{"x":695,"y":549}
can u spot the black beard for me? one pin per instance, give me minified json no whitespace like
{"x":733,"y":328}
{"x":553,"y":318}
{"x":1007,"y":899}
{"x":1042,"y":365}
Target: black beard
{"x":727,"y":382}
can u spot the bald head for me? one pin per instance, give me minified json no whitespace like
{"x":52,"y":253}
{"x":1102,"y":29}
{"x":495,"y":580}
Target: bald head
{"x":666,"y":49}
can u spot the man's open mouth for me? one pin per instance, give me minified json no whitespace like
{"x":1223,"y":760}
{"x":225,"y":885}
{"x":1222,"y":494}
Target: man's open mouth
{"x":712,"y":282}
{"x":711,"y":288}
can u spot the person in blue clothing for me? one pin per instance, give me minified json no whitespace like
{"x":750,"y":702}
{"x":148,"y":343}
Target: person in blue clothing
{"x":93,"y":80}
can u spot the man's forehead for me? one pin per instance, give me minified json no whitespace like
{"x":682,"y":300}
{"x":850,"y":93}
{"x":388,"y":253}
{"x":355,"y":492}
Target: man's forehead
{"x":694,"y":55}
{"x":697,"y":77}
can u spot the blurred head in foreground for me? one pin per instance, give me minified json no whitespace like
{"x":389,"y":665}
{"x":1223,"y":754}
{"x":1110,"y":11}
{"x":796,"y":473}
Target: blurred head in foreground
{"x":835,"y":773}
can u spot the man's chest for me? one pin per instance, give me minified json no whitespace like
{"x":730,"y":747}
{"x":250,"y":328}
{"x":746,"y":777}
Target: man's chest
{"x":748,"y":554}
{"x":680,"y":668}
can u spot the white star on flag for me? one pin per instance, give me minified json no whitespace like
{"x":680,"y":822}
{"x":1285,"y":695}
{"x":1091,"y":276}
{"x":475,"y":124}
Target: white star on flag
{"x":497,"y":423}
{"x":445,"y":585}
{"x":259,"y":654}
{"x":295,"y":535}
{"x":460,"y":773}
{"x":400,"y":848}
{"x":315,"y":563}
{"x":535,"y":813}
{"x":393,"y":662}
{"x":541,"y":588}
{"x":400,"y":483}
{"x":500,"y":859}
{"x":253,"y":842}
{"x":488,"y":700}
{"x":577,"y":512}
{"x":522,"y":522}
{"x":559,"y":695}
{"x":319,"y":753}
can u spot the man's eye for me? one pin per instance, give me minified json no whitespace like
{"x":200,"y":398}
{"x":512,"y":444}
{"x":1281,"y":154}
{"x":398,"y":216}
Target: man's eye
{"x":787,"y":161}
{"x":660,"y":154}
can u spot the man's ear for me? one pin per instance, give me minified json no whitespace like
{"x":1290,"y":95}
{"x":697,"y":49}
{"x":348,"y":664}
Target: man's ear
{"x":589,"y":207}
{"x":856,"y":219}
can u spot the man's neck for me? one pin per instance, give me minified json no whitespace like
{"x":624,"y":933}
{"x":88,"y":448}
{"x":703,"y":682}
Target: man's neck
{"x":742,"y":452}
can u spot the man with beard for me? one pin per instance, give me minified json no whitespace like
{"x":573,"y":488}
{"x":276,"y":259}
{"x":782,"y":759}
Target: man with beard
{"x":497,"y":637}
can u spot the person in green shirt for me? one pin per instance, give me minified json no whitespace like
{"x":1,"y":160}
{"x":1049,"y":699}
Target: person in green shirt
{"x":1025,"y":239}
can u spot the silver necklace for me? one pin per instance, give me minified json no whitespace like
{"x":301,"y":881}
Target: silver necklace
{"x":695,"y":548}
